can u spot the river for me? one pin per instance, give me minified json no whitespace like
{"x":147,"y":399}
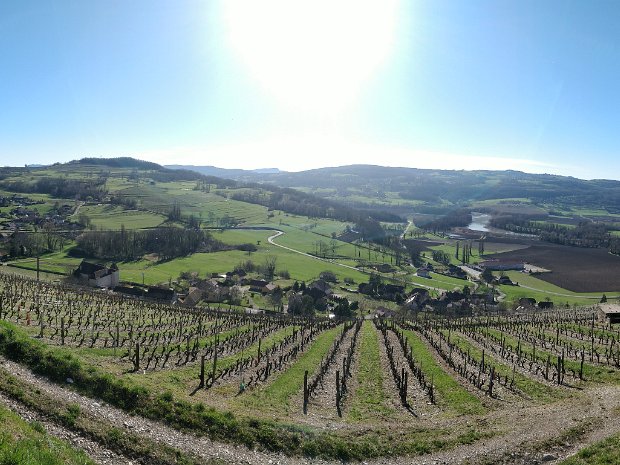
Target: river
{"x":479,"y":222}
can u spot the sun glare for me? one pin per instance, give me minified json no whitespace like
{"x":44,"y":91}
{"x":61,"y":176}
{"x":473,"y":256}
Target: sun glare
{"x":312,"y":55}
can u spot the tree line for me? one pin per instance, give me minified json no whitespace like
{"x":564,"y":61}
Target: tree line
{"x":60,"y":187}
{"x":301,"y":203}
{"x":125,"y":244}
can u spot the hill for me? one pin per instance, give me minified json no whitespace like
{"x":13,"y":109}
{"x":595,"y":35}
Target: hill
{"x":410,"y":190}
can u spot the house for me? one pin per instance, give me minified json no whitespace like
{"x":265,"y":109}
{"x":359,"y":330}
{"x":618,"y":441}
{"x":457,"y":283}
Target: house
{"x":393,"y":288}
{"x":270,"y":288}
{"x":98,"y":275}
{"x":417,"y":299}
{"x":609,"y":313}
{"x":161,"y":294}
{"x":382,"y":312}
{"x":504,"y":280}
{"x":423,"y":272}
{"x":457,"y":272}
{"x":130,"y":290}
{"x":193,"y":297}
{"x":318,"y":289}
{"x":257,"y":285}
{"x":527,"y":302}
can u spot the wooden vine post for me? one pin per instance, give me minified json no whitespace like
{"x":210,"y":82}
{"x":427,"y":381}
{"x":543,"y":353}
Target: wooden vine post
{"x":306,"y":392}
{"x":338,"y":393}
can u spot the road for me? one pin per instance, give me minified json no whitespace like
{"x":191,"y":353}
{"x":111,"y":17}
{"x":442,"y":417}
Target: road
{"x":271,"y":238}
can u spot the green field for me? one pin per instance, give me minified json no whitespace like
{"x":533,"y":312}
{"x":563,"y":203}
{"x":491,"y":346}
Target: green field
{"x":113,"y":217}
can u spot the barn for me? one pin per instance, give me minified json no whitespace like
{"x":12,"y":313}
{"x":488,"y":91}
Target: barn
{"x":609,"y":313}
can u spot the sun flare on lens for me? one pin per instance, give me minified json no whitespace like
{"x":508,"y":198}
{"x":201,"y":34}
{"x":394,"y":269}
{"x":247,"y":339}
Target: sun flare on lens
{"x":312,"y":55}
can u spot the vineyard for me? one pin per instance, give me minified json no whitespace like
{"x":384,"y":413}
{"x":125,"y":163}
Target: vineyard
{"x":342,"y":383}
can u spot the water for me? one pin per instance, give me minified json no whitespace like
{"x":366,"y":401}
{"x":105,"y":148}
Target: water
{"x":479,"y":222}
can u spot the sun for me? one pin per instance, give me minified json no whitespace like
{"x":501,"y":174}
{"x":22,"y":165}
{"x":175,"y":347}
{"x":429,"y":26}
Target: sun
{"x":314,"y":55}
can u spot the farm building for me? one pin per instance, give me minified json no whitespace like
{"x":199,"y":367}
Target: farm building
{"x":162,"y":294}
{"x":545,"y":305}
{"x":423,"y":272}
{"x":98,"y":275}
{"x":257,"y":285}
{"x":193,"y":297}
{"x":609,"y":313}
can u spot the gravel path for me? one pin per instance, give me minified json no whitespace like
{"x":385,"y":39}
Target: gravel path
{"x":157,"y":432}
{"x":94,"y":450}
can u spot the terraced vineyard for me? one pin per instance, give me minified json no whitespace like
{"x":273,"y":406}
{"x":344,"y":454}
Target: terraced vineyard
{"x":454,"y":389}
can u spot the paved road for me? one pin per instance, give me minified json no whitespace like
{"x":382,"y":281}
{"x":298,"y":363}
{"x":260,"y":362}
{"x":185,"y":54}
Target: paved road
{"x":271,"y":238}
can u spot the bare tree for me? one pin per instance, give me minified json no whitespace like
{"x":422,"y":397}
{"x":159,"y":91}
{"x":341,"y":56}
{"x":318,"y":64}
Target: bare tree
{"x":269,"y":266}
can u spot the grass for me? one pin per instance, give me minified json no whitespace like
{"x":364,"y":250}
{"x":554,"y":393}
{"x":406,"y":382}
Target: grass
{"x":592,"y":373}
{"x":278,"y":394}
{"x":113,"y":217}
{"x":451,"y":395}
{"x":28,"y":444}
{"x":541,"y":290}
{"x":368,"y":401}
{"x":537,"y":391}
{"x":605,"y":452}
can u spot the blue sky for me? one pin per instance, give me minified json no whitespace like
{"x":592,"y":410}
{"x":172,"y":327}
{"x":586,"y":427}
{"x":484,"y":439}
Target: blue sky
{"x":526,"y":85}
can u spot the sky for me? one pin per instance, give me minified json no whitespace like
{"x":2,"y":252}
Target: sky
{"x":527,"y":85}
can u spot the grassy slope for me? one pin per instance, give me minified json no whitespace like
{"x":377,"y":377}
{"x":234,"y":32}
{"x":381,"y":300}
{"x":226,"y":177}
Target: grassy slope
{"x":451,"y":395}
{"x":530,"y":387}
{"x":277,"y":395}
{"x":606,"y":452}
{"x":28,"y":444}
{"x":368,"y":401}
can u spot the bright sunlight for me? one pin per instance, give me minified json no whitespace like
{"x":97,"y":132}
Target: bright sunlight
{"x":312,"y":55}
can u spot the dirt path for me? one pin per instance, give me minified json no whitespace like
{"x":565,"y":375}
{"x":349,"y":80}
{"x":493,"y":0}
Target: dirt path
{"x":322,"y":404}
{"x":157,"y":432}
{"x":94,"y":450}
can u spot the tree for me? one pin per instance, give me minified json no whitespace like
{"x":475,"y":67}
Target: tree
{"x":374,"y":281}
{"x":343,"y":309}
{"x":441,"y":257}
{"x":175,"y":212}
{"x":269,"y":267}
{"x":487,"y":275}
{"x":275,"y":298}
{"x":603,"y":299}
{"x":301,"y":305}
{"x":328,"y":276}
{"x":235,"y":295}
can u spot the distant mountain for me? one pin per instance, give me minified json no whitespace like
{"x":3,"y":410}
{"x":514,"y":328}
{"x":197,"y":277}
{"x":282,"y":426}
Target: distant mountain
{"x":404,"y":191}
{"x":237,"y":174}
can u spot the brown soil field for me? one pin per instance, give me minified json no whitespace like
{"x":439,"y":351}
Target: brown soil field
{"x":573,"y":268}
